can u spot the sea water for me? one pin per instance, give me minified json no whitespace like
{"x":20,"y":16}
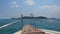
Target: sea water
{"x":50,"y":24}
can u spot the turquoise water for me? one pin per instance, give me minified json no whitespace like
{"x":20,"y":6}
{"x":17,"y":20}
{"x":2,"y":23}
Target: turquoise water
{"x":50,"y":24}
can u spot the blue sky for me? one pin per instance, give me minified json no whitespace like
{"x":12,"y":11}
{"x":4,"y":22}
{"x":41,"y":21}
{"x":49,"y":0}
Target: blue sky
{"x":14,"y":8}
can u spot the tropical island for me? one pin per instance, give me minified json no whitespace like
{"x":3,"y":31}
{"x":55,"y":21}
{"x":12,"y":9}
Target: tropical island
{"x":28,"y":17}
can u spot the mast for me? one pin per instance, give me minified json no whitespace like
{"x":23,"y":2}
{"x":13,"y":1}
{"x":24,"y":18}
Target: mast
{"x":22,"y":20}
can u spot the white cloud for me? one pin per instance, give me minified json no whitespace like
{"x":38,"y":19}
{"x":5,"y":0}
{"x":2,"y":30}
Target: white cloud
{"x":50,"y":7}
{"x":29,"y":2}
{"x":14,"y":4}
{"x":48,"y":11}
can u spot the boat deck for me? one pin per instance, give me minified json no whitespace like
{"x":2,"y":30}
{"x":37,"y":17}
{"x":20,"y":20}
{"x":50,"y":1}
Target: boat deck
{"x":46,"y":31}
